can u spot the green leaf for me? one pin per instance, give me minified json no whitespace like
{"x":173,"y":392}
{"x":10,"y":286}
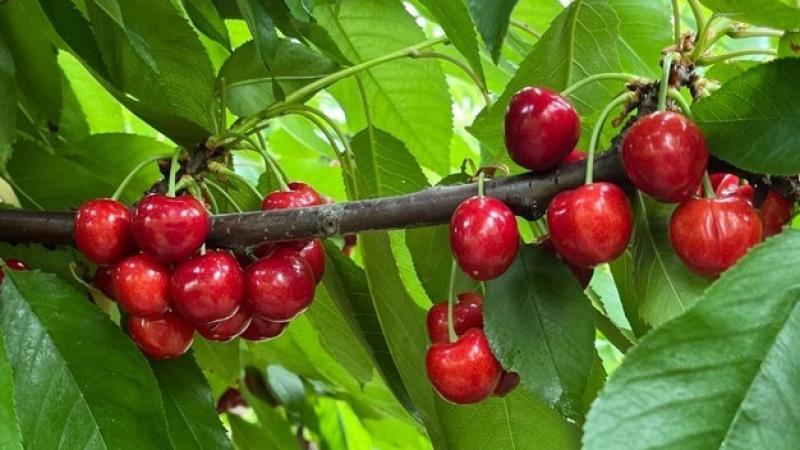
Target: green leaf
{"x":205,"y":17}
{"x":587,"y":38}
{"x":262,"y":27}
{"x":257,"y":436}
{"x":191,"y":415}
{"x":727,"y":364}
{"x":788,"y":46}
{"x":540,"y":325}
{"x":219,"y":361}
{"x":288,"y":389}
{"x":275,"y":429}
{"x":79,"y":382}
{"x":10,"y":436}
{"x":454,"y":18}
{"x":751,"y":122}
{"x":662,"y":286}
{"x":780,"y":14}
{"x":622,"y":270}
{"x":408,"y":98}
{"x":430,"y":251}
{"x":492,"y":19}
{"x":8,"y":104}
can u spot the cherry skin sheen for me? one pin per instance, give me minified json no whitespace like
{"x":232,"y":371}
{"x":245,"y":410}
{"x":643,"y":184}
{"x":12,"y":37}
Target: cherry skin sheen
{"x":483,"y":237}
{"x":665,"y":156}
{"x":312,"y":251}
{"x":299,"y":195}
{"x":263,"y":330}
{"x":13,"y":264}
{"x":170,"y":228}
{"x":541,"y":128}
{"x":464,"y":371}
{"x":467,"y":313}
{"x":141,"y":286}
{"x":711,"y":234}
{"x":226,"y":330}
{"x":104,"y":280}
{"x":208,"y":288}
{"x":164,"y":337}
{"x":591,"y":224}
{"x":279,"y":287}
{"x":102,"y":231}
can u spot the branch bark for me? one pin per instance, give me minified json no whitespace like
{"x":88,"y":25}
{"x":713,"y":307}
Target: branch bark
{"x":528,"y":196}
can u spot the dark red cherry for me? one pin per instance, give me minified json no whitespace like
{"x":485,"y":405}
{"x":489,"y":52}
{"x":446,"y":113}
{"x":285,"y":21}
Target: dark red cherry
{"x":483,"y":237}
{"x":141,"y":286}
{"x":775,"y":212}
{"x":104,"y":280}
{"x":226,"y":330}
{"x":163,"y":337}
{"x":574,"y":156}
{"x":541,"y":128}
{"x":299,"y":195}
{"x":590,"y":225}
{"x":229,"y":400}
{"x":467,"y":313}
{"x":279,"y":287}
{"x":582,"y":274}
{"x":263,"y":330}
{"x":13,"y":264}
{"x":102,"y":231}
{"x":711,"y":234}
{"x":508,"y":382}
{"x":312,"y":251}
{"x":665,"y":156}
{"x":464,"y":371}
{"x":170,"y":228}
{"x":208,"y":288}
{"x":350,"y":241}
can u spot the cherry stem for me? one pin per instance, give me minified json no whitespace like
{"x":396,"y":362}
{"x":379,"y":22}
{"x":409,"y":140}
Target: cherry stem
{"x":702,"y":44}
{"x":481,"y":177}
{"x":666,"y":70}
{"x":223,"y":103}
{"x":461,"y":65}
{"x":211,"y":198}
{"x":598,"y":128}
{"x":173,"y":171}
{"x":629,"y":77}
{"x":675,"y":95}
{"x":451,"y":300}
{"x":138,"y":168}
{"x":526,"y":28}
{"x":676,"y":18}
{"x":707,"y":186}
{"x":221,"y":169}
{"x":261,"y":148}
{"x":222,"y":191}
{"x":697,"y":11}
{"x":709,"y":60}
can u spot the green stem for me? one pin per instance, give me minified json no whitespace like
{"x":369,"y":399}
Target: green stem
{"x":481,"y":177}
{"x":273,"y":165}
{"x":666,"y":70}
{"x":708,"y":188}
{"x":221,"y":169}
{"x":524,"y":27}
{"x":211,"y":198}
{"x":676,"y":18}
{"x":598,"y":128}
{"x":628,"y":77}
{"x":16,"y":187}
{"x":138,"y":168}
{"x":451,"y":300}
{"x":754,"y":33}
{"x":464,"y":67}
{"x":685,"y":107}
{"x":223,"y":102}
{"x":697,"y":11}
{"x":310,"y":111}
{"x":709,"y":60}
{"x":173,"y":171}
{"x":701,"y":39}
{"x":222,"y":192}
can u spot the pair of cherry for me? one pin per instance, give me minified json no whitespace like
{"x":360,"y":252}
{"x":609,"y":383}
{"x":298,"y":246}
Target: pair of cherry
{"x":210,"y":292}
{"x":464,"y":371}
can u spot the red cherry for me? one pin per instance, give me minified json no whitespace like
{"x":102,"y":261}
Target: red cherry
{"x":263,"y":330}
{"x":508,"y":382}
{"x":170,"y":228}
{"x":13,"y":264}
{"x":280,"y":287}
{"x":574,"y":156}
{"x":665,"y":156}
{"x":726,"y":184}
{"x":464,"y":371}
{"x":230,"y":400}
{"x":141,"y":285}
{"x":349,"y":244}
{"x":102,"y":231}
{"x":104,"y":280}
{"x":312,"y":251}
{"x":541,"y":128}
{"x":774,"y":212}
{"x":208,"y":288}
{"x":483,"y":237}
{"x":582,"y":274}
{"x":591,"y":224}
{"x":163,"y":337}
{"x":226,"y":330}
{"x":711,"y":234}
{"x":299,"y":195}
{"x":468,"y":313}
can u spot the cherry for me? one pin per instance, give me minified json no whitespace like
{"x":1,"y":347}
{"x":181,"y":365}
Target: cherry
{"x":541,"y":128}
{"x":299,"y":195}
{"x":591,"y":224}
{"x":226,"y":330}
{"x":574,"y":156}
{"x":312,"y":251}
{"x":349,"y":244}
{"x":170,"y":228}
{"x":141,"y":285}
{"x":483,"y":237}
{"x":665,"y":156}
{"x":263,"y":330}
{"x":208,"y":288}
{"x":774,"y":212}
{"x":726,"y":184}
{"x":102,"y":231}
{"x":582,"y":274}
{"x":163,"y":337}
{"x":508,"y":382}
{"x":230,"y":400}
{"x":13,"y":264}
{"x":711,"y":234}
{"x":279,"y":287}
{"x":464,"y":371}
{"x":104,"y":280}
{"x":467,"y":313}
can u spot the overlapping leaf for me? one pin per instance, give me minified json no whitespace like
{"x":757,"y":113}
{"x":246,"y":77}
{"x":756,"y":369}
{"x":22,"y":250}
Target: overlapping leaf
{"x":771,"y":13}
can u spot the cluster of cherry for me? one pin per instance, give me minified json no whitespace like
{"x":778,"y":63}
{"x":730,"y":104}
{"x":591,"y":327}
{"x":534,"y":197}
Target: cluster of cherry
{"x":153,"y":262}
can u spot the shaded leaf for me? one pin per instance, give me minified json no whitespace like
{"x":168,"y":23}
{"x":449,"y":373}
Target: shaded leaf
{"x":275,"y":429}
{"x":205,"y":17}
{"x":8,"y":104}
{"x":10,"y":437}
{"x":492,"y":21}
{"x":456,"y":22}
{"x":219,"y":361}
{"x":288,"y":389}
